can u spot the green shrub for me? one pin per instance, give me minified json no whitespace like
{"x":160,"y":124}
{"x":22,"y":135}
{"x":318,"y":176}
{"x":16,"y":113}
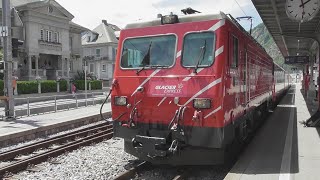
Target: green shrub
{"x":79,"y":84}
{"x":96,"y":84}
{"x":63,"y":86}
{"x":31,"y":87}
{"x":1,"y":88}
{"x":48,"y":86}
{"x":27,"y":87}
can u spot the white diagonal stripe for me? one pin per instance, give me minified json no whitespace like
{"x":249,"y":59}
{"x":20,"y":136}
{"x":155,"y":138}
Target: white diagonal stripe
{"x":214,"y":111}
{"x":203,"y":90}
{"x":162,"y":101}
{"x":218,"y":25}
{"x":188,"y":78}
{"x":217,"y":53}
{"x":146,"y":80}
{"x":192,"y":74}
{"x":178,"y":53}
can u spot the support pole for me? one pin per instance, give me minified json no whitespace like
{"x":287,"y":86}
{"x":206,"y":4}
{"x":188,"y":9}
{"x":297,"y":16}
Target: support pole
{"x":7,"y":56}
{"x":85,"y":81}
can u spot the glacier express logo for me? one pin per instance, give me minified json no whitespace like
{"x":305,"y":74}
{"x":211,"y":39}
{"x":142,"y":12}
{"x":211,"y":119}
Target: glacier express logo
{"x":165,"y":87}
{"x":170,"y":89}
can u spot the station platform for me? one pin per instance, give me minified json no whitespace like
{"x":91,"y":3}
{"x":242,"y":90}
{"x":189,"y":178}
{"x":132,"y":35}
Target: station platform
{"x":28,"y":128}
{"x":283,"y":148}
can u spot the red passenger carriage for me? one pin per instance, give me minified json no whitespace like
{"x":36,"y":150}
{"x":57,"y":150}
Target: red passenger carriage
{"x":186,"y":88}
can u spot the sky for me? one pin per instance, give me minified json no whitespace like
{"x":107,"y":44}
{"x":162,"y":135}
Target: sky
{"x":90,"y":13}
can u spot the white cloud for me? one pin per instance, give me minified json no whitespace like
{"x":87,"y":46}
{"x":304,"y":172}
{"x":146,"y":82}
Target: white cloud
{"x":120,"y":12}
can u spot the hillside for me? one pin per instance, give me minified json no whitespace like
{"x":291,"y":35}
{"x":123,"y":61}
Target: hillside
{"x":261,"y":34}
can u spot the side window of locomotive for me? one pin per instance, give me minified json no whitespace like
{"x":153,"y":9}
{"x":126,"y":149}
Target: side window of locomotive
{"x":198,"y":49}
{"x":235,"y":53}
{"x":156,"y":51}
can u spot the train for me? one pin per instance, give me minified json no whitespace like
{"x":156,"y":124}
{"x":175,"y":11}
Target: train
{"x":186,"y":88}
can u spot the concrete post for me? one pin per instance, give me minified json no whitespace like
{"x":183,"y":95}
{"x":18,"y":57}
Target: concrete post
{"x":68,"y":67}
{"x":62,"y":67}
{"x":37,"y":65}
{"x":68,"y":75}
{"x":39,"y":87}
{"x":58,"y":86}
{"x":89,"y":85}
{"x":29,"y":66}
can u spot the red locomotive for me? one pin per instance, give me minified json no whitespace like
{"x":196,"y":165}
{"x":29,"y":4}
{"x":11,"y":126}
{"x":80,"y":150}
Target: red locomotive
{"x":185,"y":88}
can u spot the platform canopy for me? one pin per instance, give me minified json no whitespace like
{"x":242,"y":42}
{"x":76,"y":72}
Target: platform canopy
{"x":292,"y":37}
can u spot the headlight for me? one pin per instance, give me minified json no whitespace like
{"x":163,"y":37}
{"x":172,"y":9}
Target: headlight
{"x":202,"y":103}
{"x":120,"y":100}
{"x":169,"y":19}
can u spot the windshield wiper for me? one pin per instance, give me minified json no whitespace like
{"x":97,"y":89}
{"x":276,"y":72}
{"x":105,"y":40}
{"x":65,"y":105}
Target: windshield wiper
{"x":141,"y":69}
{"x":146,"y":60}
{"x":202,"y":53}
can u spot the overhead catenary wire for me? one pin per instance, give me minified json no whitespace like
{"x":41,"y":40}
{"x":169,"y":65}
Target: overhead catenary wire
{"x":241,"y":8}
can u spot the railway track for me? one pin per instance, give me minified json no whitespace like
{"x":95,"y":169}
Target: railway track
{"x":20,"y":158}
{"x":145,"y":166}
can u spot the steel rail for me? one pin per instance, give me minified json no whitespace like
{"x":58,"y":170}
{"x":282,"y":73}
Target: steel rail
{"x":36,"y":159}
{"x":7,"y":155}
{"x":181,"y":176}
{"x":130,"y":173}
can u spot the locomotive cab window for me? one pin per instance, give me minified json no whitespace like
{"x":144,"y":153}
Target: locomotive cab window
{"x":148,"y":52}
{"x":198,"y":49}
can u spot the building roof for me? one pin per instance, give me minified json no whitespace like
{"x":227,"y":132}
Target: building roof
{"x":15,"y":3}
{"x":22,"y":4}
{"x":105,"y":34}
{"x":77,"y":27}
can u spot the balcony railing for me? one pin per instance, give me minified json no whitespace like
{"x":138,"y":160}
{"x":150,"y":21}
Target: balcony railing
{"x":97,"y":58}
{"x":50,"y":45}
{"x":41,"y":72}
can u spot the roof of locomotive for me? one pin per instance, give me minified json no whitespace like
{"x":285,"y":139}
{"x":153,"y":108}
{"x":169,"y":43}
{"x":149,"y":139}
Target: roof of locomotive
{"x":182,"y":19}
{"x":194,"y":18}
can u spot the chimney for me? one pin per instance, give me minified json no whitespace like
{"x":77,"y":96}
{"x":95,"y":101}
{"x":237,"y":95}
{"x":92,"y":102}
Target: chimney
{"x":105,"y":22}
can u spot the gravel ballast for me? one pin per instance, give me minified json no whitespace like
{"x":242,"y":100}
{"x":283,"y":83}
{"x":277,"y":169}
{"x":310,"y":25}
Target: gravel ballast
{"x":104,"y":160}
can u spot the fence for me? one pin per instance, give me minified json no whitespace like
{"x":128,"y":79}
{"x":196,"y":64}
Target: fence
{"x":45,"y":104}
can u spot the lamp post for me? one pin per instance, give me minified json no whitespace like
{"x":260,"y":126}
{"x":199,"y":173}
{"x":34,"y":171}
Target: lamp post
{"x":85,"y":80}
{"x":7,"y":59}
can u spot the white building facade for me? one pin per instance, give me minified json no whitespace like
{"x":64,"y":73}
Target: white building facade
{"x":99,"y":50}
{"x":52,"y":42}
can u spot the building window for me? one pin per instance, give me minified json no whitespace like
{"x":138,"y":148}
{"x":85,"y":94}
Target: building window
{"x":103,"y":68}
{"x":50,"y":9}
{"x":56,"y":37}
{"x":98,"y":52}
{"x":113,"y":54}
{"x":70,"y":41}
{"x":71,"y":66}
{"x":91,"y":68}
{"x":41,"y":34}
{"x":49,"y":36}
